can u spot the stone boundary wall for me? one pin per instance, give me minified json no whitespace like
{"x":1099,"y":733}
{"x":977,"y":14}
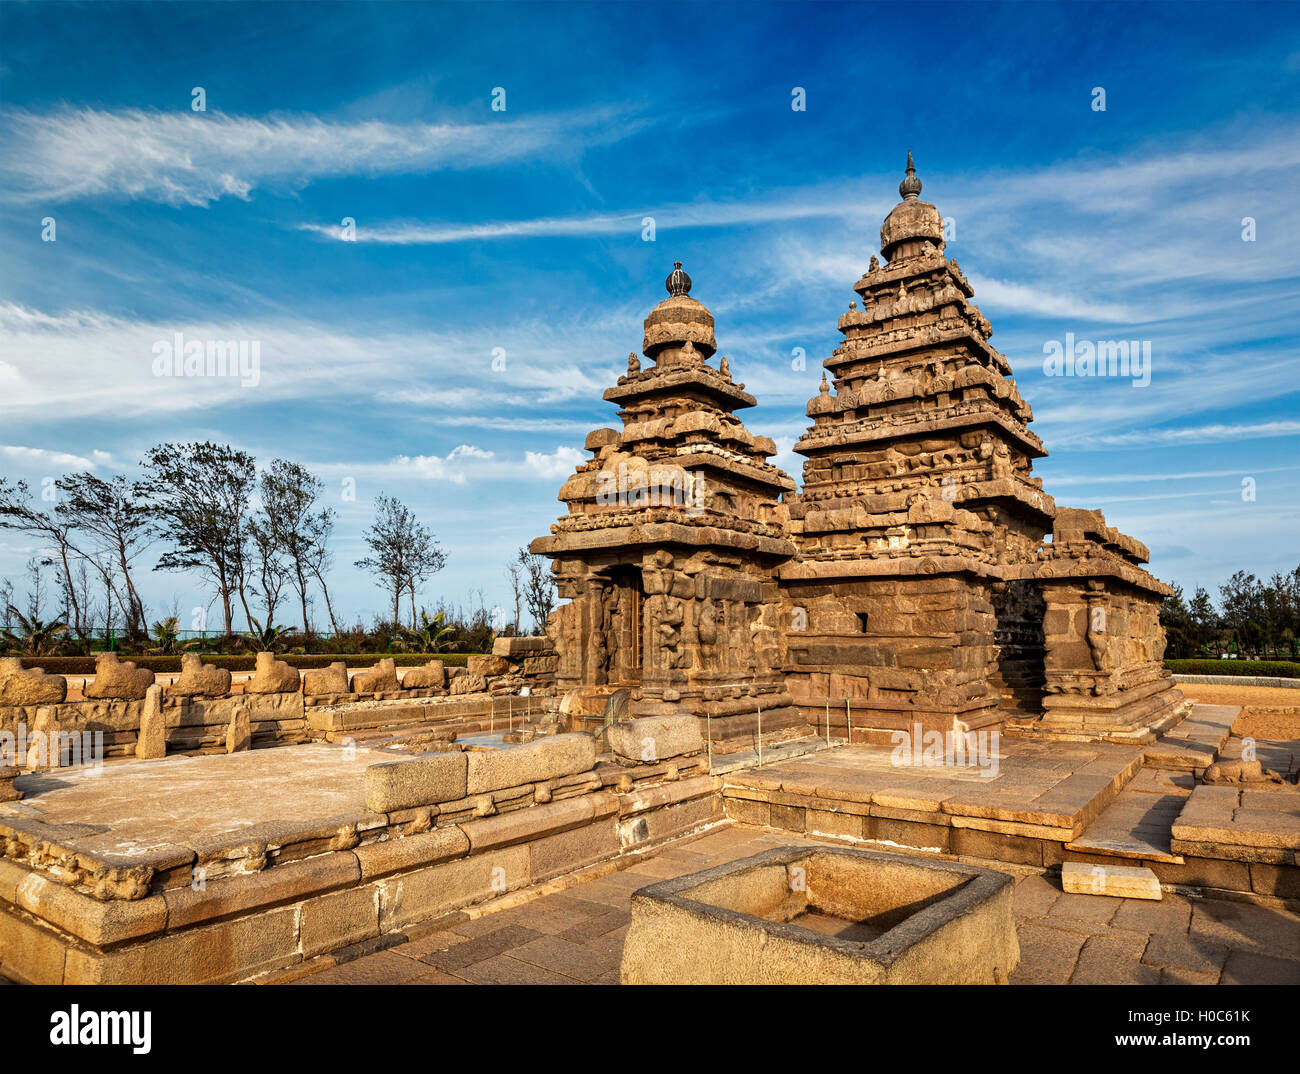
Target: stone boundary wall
{"x":275,"y":898}
{"x":318,"y":703}
{"x":1237,"y":680}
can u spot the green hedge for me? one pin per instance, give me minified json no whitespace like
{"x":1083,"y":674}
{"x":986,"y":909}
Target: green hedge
{"x":1268,"y":669}
{"x":85,"y":665}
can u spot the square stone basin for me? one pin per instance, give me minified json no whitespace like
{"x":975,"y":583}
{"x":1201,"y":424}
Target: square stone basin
{"x":824,"y":915}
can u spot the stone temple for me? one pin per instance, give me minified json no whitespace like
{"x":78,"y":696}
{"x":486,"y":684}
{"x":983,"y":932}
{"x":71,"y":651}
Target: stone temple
{"x":921,"y":575}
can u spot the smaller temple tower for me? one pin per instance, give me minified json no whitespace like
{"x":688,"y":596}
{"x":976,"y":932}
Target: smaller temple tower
{"x":666,"y":556}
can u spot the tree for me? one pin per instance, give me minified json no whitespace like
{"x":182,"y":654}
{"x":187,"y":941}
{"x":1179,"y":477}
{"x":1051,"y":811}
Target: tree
{"x":289,"y":494}
{"x":402,"y":552}
{"x":18,"y":513}
{"x":33,"y":637}
{"x":1241,"y":599}
{"x":1204,"y":620}
{"x":1176,"y":620}
{"x":515,"y":572}
{"x":539,"y":587}
{"x":272,"y":571}
{"x":200,"y":495}
{"x":433,"y":636}
{"x":114,"y":515}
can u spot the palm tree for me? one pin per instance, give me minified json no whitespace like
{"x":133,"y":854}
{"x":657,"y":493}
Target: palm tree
{"x":166,"y":632}
{"x":33,"y":637}
{"x":269,"y":639}
{"x":432,"y":637}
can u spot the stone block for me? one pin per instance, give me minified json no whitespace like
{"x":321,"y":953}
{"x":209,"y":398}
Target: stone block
{"x":407,"y":852}
{"x":487,"y":665}
{"x":239,"y":733}
{"x":522,"y":825}
{"x":324,"y":682}
{"x":553,"y":855}
{"x":1119,"y":881}
{"x":652,"y":739}
{"x":466,"y":683}
{"x":425,"y":893}
{"x":221,"y":953}
{"x":198,"y":679}
{"x":19,"y":686}
{"x":272,"y":676}
{"x":545,"y":758}
{"x":230,"y":895}
{"x":100,"y":922}
{"x":382,"y":678}
{"x":339,"y":920}
{"x":432,"y":675}
{"x":117,"y":680}
{"x":426,"y":779}
{"x":29,"y":953}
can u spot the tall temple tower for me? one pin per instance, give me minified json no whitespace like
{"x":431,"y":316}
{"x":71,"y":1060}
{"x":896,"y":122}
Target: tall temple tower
{"x":918,"y":502}
{"x":918,"y":593}
{"x":666,"y":556}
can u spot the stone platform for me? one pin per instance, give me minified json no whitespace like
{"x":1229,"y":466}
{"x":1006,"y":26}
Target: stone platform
{"x":1045,"y":803}
{"x":220,"y":869}
{"x":571,"y":932}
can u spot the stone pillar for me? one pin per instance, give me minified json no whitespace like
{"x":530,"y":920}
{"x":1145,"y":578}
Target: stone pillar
{"x":151,"y":743}
{"x":239,"y":735}
{"x":43,"y":739}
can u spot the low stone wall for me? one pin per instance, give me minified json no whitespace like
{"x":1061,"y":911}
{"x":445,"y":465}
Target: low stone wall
{"x":275,"y":896}
{"x":1209,"y":865}
{"x":1238,"y":680}
{"x":192,"y":724}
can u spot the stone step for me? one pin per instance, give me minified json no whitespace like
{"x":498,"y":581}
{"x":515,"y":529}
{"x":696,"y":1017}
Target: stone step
{"x":1121,"y":881}
{"x":1196,"y":741}
{"x":1137,"y":825}
{"x":779,"y":751}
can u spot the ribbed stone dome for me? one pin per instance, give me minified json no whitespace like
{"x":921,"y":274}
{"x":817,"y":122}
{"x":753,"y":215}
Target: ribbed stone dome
{"x":679,"y":319}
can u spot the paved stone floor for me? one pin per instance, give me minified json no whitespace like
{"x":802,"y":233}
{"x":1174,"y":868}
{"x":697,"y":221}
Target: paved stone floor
{"x":575,"y":936}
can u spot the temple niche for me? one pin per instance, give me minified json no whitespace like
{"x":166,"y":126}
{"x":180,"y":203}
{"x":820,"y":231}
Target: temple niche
{"x":910,"y":580}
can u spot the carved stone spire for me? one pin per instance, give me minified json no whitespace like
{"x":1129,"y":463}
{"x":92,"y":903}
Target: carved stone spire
{"x":910,"y":187}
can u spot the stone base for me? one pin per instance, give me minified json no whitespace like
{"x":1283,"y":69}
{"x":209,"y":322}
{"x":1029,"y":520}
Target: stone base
{"x":808,"y":915}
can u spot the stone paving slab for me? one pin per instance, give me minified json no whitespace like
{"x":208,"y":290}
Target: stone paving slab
{"x":1137,"y":824}
{"x":1058,"y":790}
{"x":1251,"y":822}
{"x":1064,"y":938}
{"x":130,"y":808}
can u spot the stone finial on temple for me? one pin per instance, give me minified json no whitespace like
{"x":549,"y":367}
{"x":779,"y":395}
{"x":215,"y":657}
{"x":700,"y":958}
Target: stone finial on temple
{"x":910,"y":187}
{"x":678,"y":283}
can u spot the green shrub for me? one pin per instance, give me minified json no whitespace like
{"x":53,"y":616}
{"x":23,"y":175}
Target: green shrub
{"x":1268,"y":669}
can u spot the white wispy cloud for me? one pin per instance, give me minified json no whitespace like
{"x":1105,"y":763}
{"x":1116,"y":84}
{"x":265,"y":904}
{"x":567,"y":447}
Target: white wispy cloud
{"x":188,"y":158}
{"x":1203,"y":434}
{"x":79,"y":363}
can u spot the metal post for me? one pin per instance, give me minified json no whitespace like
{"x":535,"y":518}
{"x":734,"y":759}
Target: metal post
{"x":848,"y":721}
{"x":708,"y":738}
{"x":828,"y":721}
{"x":760,"y":733}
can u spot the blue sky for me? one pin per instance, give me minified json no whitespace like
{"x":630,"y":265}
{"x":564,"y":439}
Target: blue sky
{"x":522,"y":230}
